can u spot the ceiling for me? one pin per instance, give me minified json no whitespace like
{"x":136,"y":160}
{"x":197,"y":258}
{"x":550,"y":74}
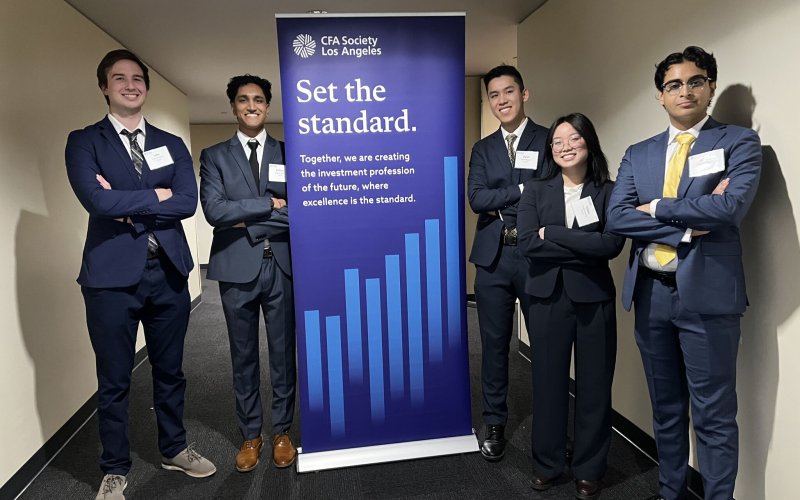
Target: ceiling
{"x":199,"y":44}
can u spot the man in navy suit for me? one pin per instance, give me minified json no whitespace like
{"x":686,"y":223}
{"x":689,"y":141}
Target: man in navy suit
{"x":499,"y":166}
{"x":243,"y":195}
{"x":137,"y":183}
{"x":681,"y":196}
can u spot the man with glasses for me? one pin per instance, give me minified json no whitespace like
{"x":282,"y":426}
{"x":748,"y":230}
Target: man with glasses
{"x":681,"y":196}
{"x":499,"y":166}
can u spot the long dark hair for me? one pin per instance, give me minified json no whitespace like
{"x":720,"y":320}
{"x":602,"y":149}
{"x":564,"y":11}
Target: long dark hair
{"x":597,"y":165}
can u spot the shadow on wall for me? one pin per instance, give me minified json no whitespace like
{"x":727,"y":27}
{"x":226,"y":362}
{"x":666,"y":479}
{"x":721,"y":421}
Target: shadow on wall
{"x":48,"y":247}
{"x":770,"y":244}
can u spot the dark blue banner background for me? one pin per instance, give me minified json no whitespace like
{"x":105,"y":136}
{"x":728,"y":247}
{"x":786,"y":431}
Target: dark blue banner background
{"x":390,"y":364}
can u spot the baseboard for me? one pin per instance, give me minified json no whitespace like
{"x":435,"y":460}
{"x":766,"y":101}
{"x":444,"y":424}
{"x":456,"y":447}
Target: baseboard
{"x":28,"y":472}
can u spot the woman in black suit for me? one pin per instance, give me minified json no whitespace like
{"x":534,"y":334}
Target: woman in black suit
{"x":561,"y":225}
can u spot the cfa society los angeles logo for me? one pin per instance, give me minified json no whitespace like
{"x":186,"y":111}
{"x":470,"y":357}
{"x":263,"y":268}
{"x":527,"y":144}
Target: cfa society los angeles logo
{"x":304,"y":46}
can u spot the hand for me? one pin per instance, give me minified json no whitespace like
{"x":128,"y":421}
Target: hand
{"x":278,"y":202}
{"x":240,"y":225}
{"x":541,"y":232}
{"x":698,"y":232}
{"x":723,"y":184}
{"x":163,"y":194}
{"x":644,"y":208}
{"x":103,"y":182}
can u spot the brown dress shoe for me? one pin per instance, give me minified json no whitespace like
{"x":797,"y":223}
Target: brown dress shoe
{"x":247,"y":458}
{"x":283,"y":451}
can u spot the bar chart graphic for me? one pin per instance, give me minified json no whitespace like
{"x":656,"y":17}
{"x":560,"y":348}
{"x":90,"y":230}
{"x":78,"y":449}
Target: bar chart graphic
{"x":401,"y":332}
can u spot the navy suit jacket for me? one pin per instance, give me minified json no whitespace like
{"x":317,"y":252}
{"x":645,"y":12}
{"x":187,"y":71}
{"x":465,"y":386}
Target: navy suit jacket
{"x":580,"y":254}
{"x":115,"y":252}
{"x":229,"y":195}
{"x":493,"y":186}
{"x":710,"y":275}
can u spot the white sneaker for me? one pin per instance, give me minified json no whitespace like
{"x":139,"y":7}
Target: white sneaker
{"x":112,"y":487}
{"x":190,"y":462}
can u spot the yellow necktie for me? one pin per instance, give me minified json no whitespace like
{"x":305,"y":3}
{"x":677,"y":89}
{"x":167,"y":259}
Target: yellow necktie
{"x":665,"y":253}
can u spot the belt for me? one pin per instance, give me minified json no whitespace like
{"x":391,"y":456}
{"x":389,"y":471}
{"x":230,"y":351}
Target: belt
{"x":665,"y":278}
{"x":510,"y":236}
{"x":267,"y":252}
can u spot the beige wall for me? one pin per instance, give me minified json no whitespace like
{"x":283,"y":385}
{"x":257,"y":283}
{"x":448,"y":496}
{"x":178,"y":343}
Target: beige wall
{"x":48,"y":56}
{"x":598,"y":58}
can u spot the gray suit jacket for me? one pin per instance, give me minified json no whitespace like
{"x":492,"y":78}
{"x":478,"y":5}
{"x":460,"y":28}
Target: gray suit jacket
{"x":229,"y":195}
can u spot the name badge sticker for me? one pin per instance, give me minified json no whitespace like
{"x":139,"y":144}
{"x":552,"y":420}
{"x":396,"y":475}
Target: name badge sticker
{"x":158,"y":158}
{"x":584,"y":211}
{"x":707,"y":163}
{"x":277,"y":172}
{"x":527,"y":160}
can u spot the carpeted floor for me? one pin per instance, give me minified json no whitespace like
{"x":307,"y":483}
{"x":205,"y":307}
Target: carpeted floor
{"x":210,"y":421}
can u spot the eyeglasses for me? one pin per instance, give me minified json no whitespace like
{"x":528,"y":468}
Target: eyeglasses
{"x":573,"y":141}
{"x":694,"y":83}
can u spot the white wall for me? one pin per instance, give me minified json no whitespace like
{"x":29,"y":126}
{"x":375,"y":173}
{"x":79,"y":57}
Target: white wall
{"x":599,"y":58}
{"x":48,"y":55}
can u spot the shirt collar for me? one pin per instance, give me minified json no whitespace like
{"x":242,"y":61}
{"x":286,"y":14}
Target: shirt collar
{"x":244,"y":139}
{"x":119,"y":127}
{"x":695,"y":130}
{"x":518,"y":131}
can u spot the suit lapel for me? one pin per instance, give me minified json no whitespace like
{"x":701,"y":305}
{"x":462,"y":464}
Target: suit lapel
{"x":500,"y":155}
{"x":709,"y":136}
{"x":236,"y":151}
{"x":555,"y":198}
{"x":528,"y":134}
{"x":270,"y":152}
{"x":110,"y":134}
{"x":657,"y":157}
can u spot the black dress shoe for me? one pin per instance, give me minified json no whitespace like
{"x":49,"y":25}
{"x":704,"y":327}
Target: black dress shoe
{"x":541,"y":483}
{"x":586,"y":489}
{"x":494,"y":446}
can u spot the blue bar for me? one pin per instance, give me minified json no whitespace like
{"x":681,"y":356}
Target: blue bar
{"x":434,"y":289}
{"x":394,"y":323}
{"x":352,"y":298}
{"x":335,"y":375}
{"x":452,"y":245}
{"x":313,"y":361}
{"x":375,"y":350}
{"x":414,"y":303}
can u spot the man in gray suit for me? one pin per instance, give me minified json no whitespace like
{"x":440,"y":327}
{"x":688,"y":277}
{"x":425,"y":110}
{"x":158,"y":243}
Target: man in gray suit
{"x":243,"y":195}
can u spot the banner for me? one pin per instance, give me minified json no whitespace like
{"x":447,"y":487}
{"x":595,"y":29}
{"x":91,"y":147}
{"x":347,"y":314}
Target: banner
{"x":373,"y":110}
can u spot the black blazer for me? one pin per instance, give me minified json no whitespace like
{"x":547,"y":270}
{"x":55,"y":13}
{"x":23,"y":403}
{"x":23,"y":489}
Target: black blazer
{"x":579,"y":254}
{"x":493,"y":186}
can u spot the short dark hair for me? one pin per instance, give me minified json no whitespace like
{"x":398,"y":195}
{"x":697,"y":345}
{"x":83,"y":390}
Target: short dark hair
{"x":597,"y":164}
{"x":111,"y":59}
{"x":692,"y":53}
{"x":503,"y":70}
{"x":237,"y":82}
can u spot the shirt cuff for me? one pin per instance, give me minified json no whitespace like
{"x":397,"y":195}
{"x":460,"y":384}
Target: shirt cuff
{"x":653,"y":207}
{"x":687,"y":236}
{"x":521,"y":188}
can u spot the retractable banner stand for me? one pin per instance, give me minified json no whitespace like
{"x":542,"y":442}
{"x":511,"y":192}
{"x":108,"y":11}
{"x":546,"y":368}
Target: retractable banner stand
{"x":373,"y":110}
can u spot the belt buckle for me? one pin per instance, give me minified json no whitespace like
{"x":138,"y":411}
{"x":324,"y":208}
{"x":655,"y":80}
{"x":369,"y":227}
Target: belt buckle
{"x":510,"y":236}
{"x":268,"y":252}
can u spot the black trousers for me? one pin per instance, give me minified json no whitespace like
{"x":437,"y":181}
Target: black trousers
{"x":558,"y":325}
{"x":496,"y":291}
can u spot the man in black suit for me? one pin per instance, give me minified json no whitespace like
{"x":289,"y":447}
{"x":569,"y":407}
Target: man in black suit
{"x":243,"y":195}
{"x":499,"y":166}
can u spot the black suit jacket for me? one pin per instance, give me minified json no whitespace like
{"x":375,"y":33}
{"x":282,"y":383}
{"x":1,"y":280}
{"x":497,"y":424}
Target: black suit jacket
{"x":580,"y":254}
{"x":229,"y":195}
{"x":493,"y":186}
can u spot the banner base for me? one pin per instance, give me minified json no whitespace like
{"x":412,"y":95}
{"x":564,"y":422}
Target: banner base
{"x":335,"y":459}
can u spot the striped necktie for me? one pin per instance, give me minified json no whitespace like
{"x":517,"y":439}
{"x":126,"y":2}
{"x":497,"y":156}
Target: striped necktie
{"x":138,"y":162}
{"x":512,"y":153}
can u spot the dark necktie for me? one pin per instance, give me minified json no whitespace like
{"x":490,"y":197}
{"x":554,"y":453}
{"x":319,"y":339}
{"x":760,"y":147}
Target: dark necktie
{"x":512,"y":153}
{"x":253,"y":143}
{"x":138,"y":162}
